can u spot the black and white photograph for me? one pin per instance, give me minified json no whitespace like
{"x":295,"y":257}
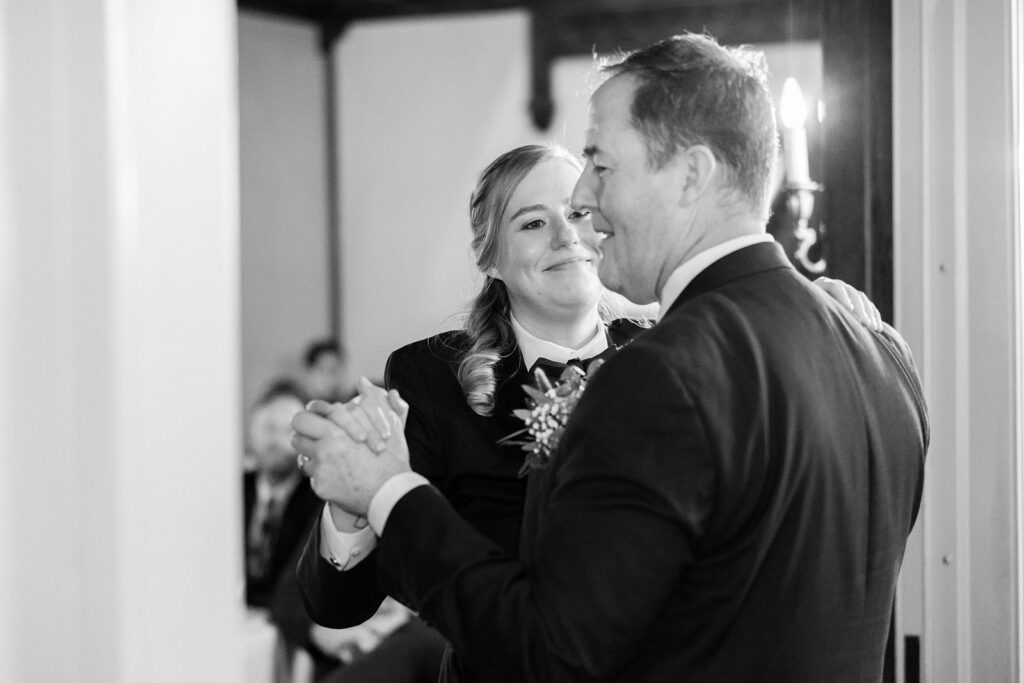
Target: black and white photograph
{"x":484,"y":341}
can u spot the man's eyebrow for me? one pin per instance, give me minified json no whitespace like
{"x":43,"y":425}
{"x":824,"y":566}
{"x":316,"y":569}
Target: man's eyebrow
{"x":527,"y":209}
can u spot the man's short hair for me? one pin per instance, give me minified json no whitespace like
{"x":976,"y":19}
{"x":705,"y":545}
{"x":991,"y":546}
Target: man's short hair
{"x":691,"y":90}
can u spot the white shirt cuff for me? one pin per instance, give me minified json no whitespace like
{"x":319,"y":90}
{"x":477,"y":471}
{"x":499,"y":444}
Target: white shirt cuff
{"x":344,"y":549}
{"x":388,"y":495}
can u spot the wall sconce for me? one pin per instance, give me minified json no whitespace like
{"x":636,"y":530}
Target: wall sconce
{"x":799,"y":188}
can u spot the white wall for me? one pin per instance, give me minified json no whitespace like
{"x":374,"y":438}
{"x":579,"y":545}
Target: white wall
{"x":119,"y":510}
{"x":958,"y":302}
{"x":283,"y":144}
{"x":424,"y":105}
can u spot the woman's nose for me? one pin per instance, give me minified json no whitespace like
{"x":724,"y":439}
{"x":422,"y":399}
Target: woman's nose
{"x":565,"y":234}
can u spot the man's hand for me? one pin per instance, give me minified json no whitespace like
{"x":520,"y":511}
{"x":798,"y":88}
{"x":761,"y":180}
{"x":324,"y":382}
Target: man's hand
{"x":371,"y":424}
{"x":351,"y":449}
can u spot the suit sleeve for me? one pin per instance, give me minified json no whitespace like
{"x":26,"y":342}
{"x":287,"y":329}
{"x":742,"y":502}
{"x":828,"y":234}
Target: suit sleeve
{"x":339,"y":599}
{"x":286,"y":606}
{"x":631,"y":494}
{"x":422,"y":430}
{"x":333,"y":598}
{"x":899,"y":350}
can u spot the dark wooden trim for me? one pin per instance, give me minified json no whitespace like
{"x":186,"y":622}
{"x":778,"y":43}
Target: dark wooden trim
{"x":542,"y":106}
{"x":574,"y":27}
{"x":857,"y":159}
{"x":352,"y":10}
{"x":608,"y":26}
{"x":303,"y":11}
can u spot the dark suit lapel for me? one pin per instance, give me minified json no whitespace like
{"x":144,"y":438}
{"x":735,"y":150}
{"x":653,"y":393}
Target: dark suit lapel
{"x":619,"y":332}
{"x":747,"y":261}
{"x":617,"y":338}
{"x":510,"y":374}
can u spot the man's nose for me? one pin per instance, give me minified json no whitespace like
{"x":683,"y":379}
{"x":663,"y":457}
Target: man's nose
{"x":583,"y":196}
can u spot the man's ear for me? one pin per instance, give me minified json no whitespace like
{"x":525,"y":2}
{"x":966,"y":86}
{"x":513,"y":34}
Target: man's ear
{"x":698,"y":167}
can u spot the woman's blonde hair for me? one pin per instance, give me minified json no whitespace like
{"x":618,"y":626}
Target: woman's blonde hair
{"x":488,"y":325}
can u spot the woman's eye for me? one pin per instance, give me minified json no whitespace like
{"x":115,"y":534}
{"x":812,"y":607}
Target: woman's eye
{"x":533,"y":225}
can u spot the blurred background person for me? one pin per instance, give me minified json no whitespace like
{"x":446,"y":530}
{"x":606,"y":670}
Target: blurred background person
{"x":279,"y":508}
{"x":324,"y":366}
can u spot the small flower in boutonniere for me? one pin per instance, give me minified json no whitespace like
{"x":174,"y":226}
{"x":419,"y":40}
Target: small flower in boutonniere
{"x":548,"y":407}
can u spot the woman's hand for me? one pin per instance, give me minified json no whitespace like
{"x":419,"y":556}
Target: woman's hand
{"x":367,"y":416}
{"x":854,"y":299}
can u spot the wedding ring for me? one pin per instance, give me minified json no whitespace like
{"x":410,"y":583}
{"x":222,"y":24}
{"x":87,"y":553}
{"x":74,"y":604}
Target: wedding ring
{"x":301,"y":461}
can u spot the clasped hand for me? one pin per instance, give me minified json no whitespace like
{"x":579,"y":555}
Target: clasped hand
{"x":349,"y":450}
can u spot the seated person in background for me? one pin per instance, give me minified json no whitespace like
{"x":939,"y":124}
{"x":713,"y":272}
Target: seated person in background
{"x":324,"y":364}
{"x":280,"y":509}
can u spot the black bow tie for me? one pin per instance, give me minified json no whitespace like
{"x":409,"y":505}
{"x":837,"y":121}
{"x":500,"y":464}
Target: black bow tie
{"x":553,"y":369}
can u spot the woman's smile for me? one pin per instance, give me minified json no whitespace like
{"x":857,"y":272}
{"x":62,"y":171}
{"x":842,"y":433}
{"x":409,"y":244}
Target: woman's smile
{"x":568,"y":262}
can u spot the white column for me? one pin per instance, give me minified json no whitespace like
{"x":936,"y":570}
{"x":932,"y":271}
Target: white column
{"x":119,"y":449}
{"x":958,"y":303}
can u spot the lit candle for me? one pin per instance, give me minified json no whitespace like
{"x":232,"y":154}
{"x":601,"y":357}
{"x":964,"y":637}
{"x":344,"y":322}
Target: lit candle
{"x":794,"y":138}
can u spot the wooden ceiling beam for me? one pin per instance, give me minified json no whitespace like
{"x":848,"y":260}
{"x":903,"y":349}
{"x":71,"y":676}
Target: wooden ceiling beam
{"x":314,"y":11}
{"x":379,"y":9}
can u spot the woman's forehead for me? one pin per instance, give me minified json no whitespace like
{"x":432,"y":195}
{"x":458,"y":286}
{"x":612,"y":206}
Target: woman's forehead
{"x":547,"y":180}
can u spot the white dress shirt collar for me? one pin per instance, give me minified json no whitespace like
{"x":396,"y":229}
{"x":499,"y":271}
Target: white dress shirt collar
{"x":692,"y":267}
{"x":533,"y":347}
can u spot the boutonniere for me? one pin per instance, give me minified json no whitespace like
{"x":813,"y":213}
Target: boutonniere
{"x":548,"y":407}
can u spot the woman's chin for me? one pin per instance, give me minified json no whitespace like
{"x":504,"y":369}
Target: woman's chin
{"x":580,"y":301}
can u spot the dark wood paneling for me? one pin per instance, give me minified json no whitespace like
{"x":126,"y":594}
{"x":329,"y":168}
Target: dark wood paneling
{"x":307,"y":10}
{"x":610,"y":26}
{"x":573,"y":27}
{"x":857,"y":160}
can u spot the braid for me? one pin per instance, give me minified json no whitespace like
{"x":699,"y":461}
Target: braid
{"x":490,"y":335}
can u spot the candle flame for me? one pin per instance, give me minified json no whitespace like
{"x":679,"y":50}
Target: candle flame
{"x":792,"y":110}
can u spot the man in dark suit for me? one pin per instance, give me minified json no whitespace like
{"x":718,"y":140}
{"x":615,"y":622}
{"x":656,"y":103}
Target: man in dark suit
{"x":279,"y":507}
{"x":731,"y":499}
